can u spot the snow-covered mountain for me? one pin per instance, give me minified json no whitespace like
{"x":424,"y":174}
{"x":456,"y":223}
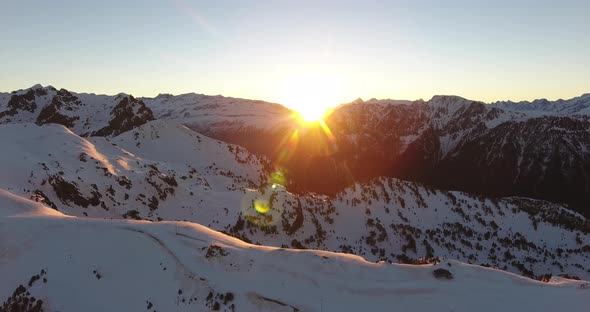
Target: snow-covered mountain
{"x":539,"y":149}
{"x":85,"y":114}
{"x":454,"y":143}
{"x":118,"y":157}
{"x":218,"y":113}
{"x":101,"y":179}
{"x":258,"y":125}
{"x":52,"y":262}
{"x":164,"y":171}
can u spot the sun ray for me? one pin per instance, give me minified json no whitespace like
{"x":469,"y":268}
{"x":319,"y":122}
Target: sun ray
{"x":327,"y":131}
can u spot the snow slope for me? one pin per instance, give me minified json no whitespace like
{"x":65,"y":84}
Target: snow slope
{"x":97,"y":178}
{"x":169,"y":141}
{"x":73,"y":264}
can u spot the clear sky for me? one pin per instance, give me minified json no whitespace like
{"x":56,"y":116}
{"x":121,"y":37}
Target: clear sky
{"x":271,"y":50}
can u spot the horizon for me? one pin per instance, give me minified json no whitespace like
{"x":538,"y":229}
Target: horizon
{"x":282,"y":52}
{"x":283,"y":104}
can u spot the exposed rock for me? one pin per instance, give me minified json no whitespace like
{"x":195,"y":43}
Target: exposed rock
{"x":24,"y":102}
{"x":128,"y":114}
{"x":39,"y":196}
{"x":68,"y":192}
{"x":56,"y":111}
{"x":442,"y":274}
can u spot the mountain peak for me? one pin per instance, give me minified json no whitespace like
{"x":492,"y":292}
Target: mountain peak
{"x":449,"y":102}
{"x":447,"y":98}
{"x":357,"y":101}
{"x":40,"y":87}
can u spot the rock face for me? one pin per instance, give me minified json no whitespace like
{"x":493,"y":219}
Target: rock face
{"x":442,"y":274}
{"x":61,"y":110}
{"x":24,"y":102}
{"x":453,"y":143}
{"x":128,"y":114}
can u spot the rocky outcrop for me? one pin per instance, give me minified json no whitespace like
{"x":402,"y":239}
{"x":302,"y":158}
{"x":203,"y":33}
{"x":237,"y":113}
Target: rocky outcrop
{"x":442,"y":274}
{"x":24,"y":102}
{"x":61,"y":110}
{"x":128,"y":114}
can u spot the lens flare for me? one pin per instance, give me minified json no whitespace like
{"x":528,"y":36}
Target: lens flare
{"x":261,"y":205}
{"x":278,"y":178}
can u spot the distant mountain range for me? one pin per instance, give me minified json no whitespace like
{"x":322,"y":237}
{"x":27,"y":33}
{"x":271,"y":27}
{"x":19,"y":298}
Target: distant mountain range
{"x":576,"y":106}
{"x":538,"y":149}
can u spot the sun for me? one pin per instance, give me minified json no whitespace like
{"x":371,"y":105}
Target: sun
{"x":312,"y":97}
{"x":312,"y":113}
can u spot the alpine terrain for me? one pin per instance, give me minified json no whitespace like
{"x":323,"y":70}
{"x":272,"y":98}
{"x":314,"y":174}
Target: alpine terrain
{"x":196,"y":203}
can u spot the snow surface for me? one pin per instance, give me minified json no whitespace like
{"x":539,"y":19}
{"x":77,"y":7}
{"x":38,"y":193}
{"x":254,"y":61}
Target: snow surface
{"x":101,"y":265}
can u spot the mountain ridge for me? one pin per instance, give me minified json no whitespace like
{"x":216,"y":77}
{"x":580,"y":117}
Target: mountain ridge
{"x":525,"y":105}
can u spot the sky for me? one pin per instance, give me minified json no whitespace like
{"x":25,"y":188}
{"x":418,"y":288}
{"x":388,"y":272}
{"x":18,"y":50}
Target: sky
{"x":285,"y":51}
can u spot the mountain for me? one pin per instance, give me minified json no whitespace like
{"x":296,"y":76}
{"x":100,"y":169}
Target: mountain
{"x":220,"y":113}
{"x":234,"y":120}
{"x":454,"y":143}
{"x":538,"y":149}
{"x":164,"y":171}
{"x":53,"y":262}
{"x":85,"y":114}
{"x":84,"y":175}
